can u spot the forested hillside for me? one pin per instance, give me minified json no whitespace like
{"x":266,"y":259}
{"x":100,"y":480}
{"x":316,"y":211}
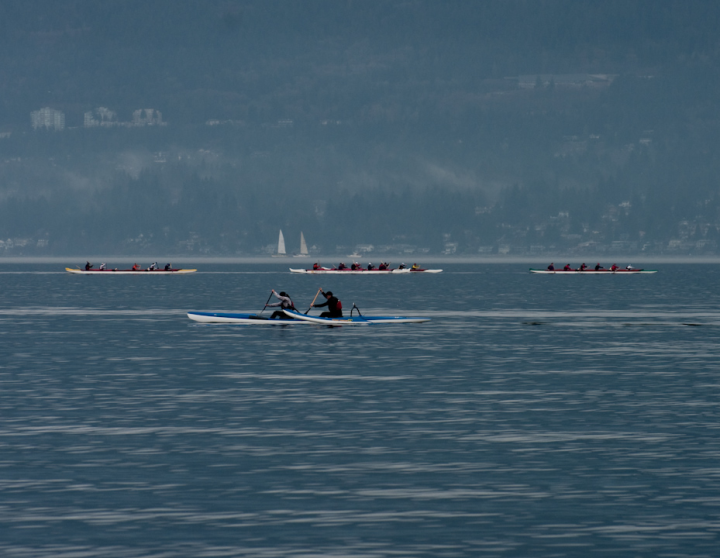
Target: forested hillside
{"x":413,"y":126}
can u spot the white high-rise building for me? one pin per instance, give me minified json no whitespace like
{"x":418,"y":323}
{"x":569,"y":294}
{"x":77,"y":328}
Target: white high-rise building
{"x":47,"y":118}
{"x":145,"y":117}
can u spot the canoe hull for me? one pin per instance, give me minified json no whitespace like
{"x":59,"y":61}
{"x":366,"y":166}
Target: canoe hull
{"x":364,"y":271}
{"x":239,"y":318}
{"x":357,"y":320}
{"x":593,"y":272}
{"x":129,"y":271}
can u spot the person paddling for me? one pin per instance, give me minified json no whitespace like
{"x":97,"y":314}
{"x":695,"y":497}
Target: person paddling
{"x":614,"y":267}
{"x":583,"y":267}
{"x":567,"y":268}
{"x":598,"y":267}
{"x":88,"y":266}
{"x":333,"y":304}
{"x":285,"y":303}
{"x":136,"y":267}
{"x":551,"y":267}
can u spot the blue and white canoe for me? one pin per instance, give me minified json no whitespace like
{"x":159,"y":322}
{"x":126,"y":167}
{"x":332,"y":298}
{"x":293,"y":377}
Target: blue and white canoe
{"x":240,"y":318}
{"x":356,"y":320}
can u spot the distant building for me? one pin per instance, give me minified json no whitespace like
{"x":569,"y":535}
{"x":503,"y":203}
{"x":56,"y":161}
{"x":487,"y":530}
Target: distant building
{"x":101,"y":116}
{"x":570,"y":81}
{"x":147,"y":117}
{"x":47,"y":118}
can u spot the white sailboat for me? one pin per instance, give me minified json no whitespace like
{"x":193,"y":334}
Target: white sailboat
{"x":281,"y":247}
{"x":303,"y":247}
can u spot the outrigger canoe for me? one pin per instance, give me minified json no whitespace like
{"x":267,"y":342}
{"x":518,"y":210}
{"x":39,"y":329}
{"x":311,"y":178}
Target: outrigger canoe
{"x":239,"y":318}
{"x":593,"y":272}
{"x":129,"y":271}
{"x":348,"y":271}
{"x":355,"y":320}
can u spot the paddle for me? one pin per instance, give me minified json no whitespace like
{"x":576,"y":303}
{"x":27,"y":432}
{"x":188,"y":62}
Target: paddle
{"x":266,"y":303}
{"x":313,"y":302}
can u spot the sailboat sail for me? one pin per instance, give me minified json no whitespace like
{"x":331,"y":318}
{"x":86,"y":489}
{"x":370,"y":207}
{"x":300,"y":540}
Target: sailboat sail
{"x":281,"y":245}
{"x":303,"y":246}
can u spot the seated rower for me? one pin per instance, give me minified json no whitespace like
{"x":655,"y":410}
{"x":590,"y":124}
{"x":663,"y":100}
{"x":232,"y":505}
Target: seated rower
{"x":383,"y":266}
{"x":567,"y":268}
{"x":168,"y":267}
{"x":614,"y":267}
{"x":153,"y":266}
{"x":136,"y":267}
{"x":333,"y":304}
{"x":355,"y":266}
{"x":551,"y":267}
{"x":370,"y":267}
{"x":316,"y":266}
{"x":629,"y":267}
{"x":341,"y":266}
{"x":401,"y":266}
{"x":102,"y":267}
{"x":88,"y":266}
{"x":598,"y":267}
{"x":583,"y":267}
{"x":285,"y":303}
{"x":415,"y":267}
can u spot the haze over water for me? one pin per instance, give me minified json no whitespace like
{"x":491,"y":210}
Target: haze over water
{"x":533,"y":416}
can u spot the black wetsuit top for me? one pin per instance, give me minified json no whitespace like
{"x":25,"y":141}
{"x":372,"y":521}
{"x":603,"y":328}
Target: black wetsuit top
{"x":333,"y":310}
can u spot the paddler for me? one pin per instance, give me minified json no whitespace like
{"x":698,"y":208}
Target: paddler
{"x":598,"y":267}
{"x":342,"y":266}
{"x":168,"y":267}
{"x":285,"y":303}
{"x":567,"y":268}
{"x":88,"y":266}
{"x":333,"y":304}
{"x":583,"y":267}
{"x":551,"y":267}
{"x":415,"y":267}
{"x":136,"y":267}
{"x":614,"y":267}
{"x":316,"y":266}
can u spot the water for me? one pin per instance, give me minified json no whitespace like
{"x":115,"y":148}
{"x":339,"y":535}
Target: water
{"x":534,"y":416}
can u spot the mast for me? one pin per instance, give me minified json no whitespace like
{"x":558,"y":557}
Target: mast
{"x":303,"y":245}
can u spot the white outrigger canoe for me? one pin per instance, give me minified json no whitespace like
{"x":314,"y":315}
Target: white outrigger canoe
{"x":592,"y":271}
{"x":129,"y":271}
{"x":355,"y":320}
{"x":239,"y":318}
{"x":405,"y":271}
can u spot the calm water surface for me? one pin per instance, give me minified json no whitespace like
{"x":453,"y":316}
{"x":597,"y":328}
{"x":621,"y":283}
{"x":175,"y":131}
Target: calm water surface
{"x":533,"y":416}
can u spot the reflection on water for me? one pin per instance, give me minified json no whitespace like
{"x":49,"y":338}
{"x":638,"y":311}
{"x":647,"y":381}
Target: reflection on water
{"x":530,"y":417}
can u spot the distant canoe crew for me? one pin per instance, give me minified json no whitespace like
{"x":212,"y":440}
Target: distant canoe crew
{"x":598,"y":267}
{"x":383,"y":266}
{"x":401,"y":266}
{"x":370,"y":267}
{"x":415,"y":267}
{"x":88,"y":266}
{"x":316,"y":266}
{"x":103,"y":266}
{"x":136,"y":267}
{"x":285,"y":303}
{"x":583,"y":267}
{"x":551,"y":267}
{"x":629,"y":267}
{"x":355,"y":266}
{"x":153,"y":266}
{"x":614,"y":267}
{"x":333,"y":304}
{"x":342,"y":266}
{"x":168,"y":267}
{"x":567,"y":268}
